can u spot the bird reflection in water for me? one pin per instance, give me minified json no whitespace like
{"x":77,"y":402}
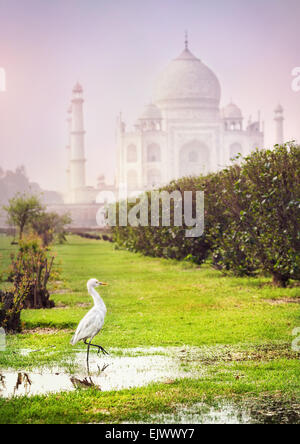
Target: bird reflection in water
{"x":88,"y":382}
{"x":23,"y":380}
{"x":2,"y":380}
{"x":84,"y":383}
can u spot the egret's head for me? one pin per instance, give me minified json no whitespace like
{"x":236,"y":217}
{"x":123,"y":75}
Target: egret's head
{"x":92,"y":283}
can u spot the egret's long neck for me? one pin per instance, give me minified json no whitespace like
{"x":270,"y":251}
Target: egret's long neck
{"x":98,"y":301}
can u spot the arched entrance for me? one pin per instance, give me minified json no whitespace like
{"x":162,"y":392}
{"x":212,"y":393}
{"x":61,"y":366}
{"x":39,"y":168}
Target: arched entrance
{"x":193,"y":159}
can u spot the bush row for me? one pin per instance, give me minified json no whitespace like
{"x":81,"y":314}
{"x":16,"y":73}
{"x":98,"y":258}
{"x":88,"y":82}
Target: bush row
{"x":252,"y":216}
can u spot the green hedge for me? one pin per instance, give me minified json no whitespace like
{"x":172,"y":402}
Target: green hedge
{"x":252,"y":216}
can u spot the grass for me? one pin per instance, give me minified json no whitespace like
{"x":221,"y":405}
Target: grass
{"x":155,"y":302}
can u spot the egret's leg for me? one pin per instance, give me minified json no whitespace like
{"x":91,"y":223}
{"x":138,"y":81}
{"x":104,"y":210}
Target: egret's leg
{"x":97,"y":346}
{"x":87,"y":357}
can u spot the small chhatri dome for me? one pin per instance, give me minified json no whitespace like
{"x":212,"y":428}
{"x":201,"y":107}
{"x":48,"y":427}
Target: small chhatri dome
{"x":77,"y":88}
{"x":151,"y":112}
{"x":187,"y":79}
{"x":279,"y":109}
{"x":232,"y":111}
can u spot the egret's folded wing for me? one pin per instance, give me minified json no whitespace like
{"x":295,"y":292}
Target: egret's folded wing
{"x":89,"y":326}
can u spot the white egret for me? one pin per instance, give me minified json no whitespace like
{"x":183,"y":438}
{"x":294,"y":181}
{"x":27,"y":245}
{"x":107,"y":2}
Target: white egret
{"x":93,"y":321}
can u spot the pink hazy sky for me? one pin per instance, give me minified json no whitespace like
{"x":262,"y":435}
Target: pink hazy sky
{"x":116,"y":49}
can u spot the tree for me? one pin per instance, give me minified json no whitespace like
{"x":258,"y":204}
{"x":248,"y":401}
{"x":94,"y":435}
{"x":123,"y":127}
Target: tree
{"x":271,"y":217}
{"x":21,"y":211}
{"x":50,"y":225}
{"x":260,"y":202}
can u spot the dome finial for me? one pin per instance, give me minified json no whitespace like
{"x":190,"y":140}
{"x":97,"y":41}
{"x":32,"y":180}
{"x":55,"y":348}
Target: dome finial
{"x":186,"y":41}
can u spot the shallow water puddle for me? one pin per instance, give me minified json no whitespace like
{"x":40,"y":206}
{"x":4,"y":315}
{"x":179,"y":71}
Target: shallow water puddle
{"x":22,"y":383}
{"x":109,"y":373}
{"x":252,"y":411}
{"x":228,"y":413}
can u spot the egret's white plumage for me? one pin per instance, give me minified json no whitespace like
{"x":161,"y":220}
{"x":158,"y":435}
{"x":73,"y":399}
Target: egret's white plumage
{"x":93,"y":321}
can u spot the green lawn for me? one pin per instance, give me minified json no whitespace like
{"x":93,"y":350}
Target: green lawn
{"x":154,"y":302}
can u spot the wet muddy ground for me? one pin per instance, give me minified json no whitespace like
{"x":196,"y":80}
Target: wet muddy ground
{"x":225,"y":413}
{"x":230,"y":412}
{"x":129,"y":368}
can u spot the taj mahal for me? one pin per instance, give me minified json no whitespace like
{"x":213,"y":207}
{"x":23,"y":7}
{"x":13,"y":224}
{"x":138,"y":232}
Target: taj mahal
{"x":182,"y":132}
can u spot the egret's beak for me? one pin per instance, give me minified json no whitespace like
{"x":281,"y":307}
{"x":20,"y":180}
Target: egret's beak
{"x":103,"y":283}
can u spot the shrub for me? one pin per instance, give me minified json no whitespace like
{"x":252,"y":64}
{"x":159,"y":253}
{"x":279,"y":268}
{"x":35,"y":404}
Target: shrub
{"x":49,"y":226}
{"x":227,"y":238}
{"x":252,"y":214}
{"x":10,"y":311}
{"x":30,"y":272}
{"x":263,"y":209}
{"x":168,"y":242}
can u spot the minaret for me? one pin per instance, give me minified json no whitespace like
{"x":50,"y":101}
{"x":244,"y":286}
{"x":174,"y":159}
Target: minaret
{"x":77,"y":162}
{"x":279,"y":124}
{"x":68,"y":147}
{"x":120,"y":151}
{"x":186,"y":40}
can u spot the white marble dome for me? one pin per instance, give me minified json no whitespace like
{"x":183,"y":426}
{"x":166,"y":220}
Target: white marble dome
{"x":151,"y":112}
{"x":186,"y":78}
{"x":232,"y":111}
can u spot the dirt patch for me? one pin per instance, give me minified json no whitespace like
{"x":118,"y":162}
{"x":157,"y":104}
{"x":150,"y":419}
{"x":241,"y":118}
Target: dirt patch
{"x":274,"y":410}
{"x":225,"y":354}
{"x":283,"y":301}
{"x":45,"y":331}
